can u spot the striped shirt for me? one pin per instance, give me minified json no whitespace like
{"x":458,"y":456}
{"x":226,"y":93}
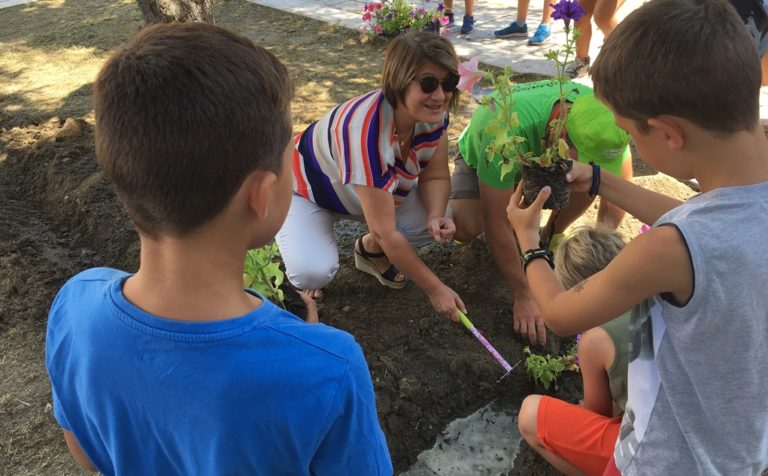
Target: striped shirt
{"x":356,"y":144}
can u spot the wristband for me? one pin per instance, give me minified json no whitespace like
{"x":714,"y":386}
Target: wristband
{"x":536,"y":253}
{"x":595,"y":180}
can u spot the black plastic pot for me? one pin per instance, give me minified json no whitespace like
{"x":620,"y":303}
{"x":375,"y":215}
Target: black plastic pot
{"x":536,"y":177}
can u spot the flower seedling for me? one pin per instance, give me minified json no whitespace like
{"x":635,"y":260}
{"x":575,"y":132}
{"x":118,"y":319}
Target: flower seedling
{"x":262,"y":273}
{"x":544,"y":369}
{"x":510,"y":148}
{"x":390,"y":17}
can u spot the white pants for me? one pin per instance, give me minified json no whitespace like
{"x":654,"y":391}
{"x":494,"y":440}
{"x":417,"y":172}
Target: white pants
{"x":308,"y":245}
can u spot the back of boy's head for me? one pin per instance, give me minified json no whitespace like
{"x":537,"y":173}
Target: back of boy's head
{"x":693,"y":59}
{"x":585,"y":252}
{"x":184,"y":112}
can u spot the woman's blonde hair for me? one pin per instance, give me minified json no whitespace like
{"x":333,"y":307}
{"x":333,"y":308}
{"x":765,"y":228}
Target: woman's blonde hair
{"x":409,"y":52}
{"x":587,"y":251}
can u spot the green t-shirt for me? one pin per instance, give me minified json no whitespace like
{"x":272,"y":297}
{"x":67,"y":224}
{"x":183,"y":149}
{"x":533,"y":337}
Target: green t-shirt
{"x":533,"y":104}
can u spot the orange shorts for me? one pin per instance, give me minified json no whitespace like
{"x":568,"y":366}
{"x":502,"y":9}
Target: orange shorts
{"x":584,"y":438}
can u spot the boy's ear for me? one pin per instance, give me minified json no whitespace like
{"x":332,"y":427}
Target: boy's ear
{"x":671,"y":129}
{"x":260,"y":193}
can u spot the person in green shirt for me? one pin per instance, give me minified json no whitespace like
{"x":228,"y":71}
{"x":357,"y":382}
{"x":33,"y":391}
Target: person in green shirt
{"x":479,"y":193}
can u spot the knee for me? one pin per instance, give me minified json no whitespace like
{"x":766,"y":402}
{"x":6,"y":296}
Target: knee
{"x":314,"y":275}
{"x":527,"y":419}
{"x":605,"y":21}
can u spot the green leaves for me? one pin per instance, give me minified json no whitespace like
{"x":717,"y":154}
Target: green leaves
{"x":544,"y":368}
{"x":262,"y":273}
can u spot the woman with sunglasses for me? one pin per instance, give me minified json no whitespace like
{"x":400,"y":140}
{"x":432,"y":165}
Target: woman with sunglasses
{"x":381,"y":157}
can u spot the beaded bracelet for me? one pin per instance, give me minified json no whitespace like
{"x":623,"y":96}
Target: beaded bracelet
{"x":595,"y":180}
{"x":536,"y":253}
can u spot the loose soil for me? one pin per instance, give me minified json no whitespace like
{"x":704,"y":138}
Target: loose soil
{"x":58,"y":216}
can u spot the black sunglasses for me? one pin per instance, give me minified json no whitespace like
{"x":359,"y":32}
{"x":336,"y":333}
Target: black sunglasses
{"x":430,"y":83}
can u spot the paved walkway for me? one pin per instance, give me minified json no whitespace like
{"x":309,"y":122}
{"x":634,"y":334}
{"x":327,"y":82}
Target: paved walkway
{"x":489,"y":15}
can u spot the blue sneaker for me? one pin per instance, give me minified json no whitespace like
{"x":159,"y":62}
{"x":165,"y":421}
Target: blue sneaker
{"x":540,"y":35}
{"x":450,"y":20}
{"x":514,"y":29}
{"x":467,"y":25}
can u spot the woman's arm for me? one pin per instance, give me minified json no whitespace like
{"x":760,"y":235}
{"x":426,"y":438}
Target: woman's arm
{"x":434,"y":188}
{"x":379,"y":210}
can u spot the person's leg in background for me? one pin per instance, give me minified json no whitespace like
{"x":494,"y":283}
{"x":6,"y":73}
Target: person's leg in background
{"x":544,"y":30}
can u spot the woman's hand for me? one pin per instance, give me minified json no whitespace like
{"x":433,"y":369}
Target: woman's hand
{"x":446,"y":301}
{"x":526,"y":221}
{"x":442,"y":229}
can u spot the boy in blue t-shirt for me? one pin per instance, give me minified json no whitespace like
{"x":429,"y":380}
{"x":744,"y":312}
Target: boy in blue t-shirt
{"x":176,"y":369}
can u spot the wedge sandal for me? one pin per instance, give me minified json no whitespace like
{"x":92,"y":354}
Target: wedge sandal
{"x":363,"y":263}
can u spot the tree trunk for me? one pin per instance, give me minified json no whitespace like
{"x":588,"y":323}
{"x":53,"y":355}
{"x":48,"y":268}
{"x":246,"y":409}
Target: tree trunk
{"x":166,"y":11}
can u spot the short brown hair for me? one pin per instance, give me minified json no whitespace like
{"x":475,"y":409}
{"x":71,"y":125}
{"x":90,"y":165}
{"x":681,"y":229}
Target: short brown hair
{"x":184,"y":112}
{"x":585,"y":252}
{"x":693,"y":59}
{"x":406,"y":54}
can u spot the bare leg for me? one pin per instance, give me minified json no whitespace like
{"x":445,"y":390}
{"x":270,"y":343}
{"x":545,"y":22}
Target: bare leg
{"x":522,"y":11}
{"x":546,"y":16}
{"x":608,"y":213}
{"x":605,"y":15}
{"x":584,"y":25}
{"x":764,"y":65}
{"x":577,"y":205}
{"x":468,"y":217}
{"x":527,"y":422}
{"x":469,"y":6}
{"x":448,"y":6}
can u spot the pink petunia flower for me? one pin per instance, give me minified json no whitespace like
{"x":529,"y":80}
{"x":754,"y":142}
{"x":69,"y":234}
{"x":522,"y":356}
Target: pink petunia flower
{"x":444,"y":20}
{"x":367,"y":16}
{"x":469,"y":75}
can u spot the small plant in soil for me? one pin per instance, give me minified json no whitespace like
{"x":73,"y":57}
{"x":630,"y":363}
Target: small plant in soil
{"x":262,"y":273}
{"x":551,"y":166}
{"x":545,"y":369}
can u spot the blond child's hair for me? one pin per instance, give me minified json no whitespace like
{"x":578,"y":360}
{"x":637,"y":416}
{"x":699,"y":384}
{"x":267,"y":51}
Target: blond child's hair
{"x":585,"y":252}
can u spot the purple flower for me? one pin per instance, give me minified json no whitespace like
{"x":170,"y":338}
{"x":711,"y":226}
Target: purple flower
{"x":413,"y":13}
{"x":567,"y":10}
{"x":440,"y":7}
{"x":389,"y":16}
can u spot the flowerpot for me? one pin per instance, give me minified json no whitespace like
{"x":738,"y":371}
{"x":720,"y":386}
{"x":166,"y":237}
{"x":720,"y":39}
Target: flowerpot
{"x":536,"y":177}
{"x":433,"y":27}
{"x":389,"y":36}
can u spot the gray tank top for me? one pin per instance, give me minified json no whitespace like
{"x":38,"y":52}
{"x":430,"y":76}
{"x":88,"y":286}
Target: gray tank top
{"x":698,"y":378}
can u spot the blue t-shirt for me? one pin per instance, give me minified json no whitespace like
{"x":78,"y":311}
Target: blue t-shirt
{"x":264,"y":393}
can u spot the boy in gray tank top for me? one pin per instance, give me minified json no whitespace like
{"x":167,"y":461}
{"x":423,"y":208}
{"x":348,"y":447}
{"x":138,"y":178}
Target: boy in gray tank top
{"x":697,"y":399}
